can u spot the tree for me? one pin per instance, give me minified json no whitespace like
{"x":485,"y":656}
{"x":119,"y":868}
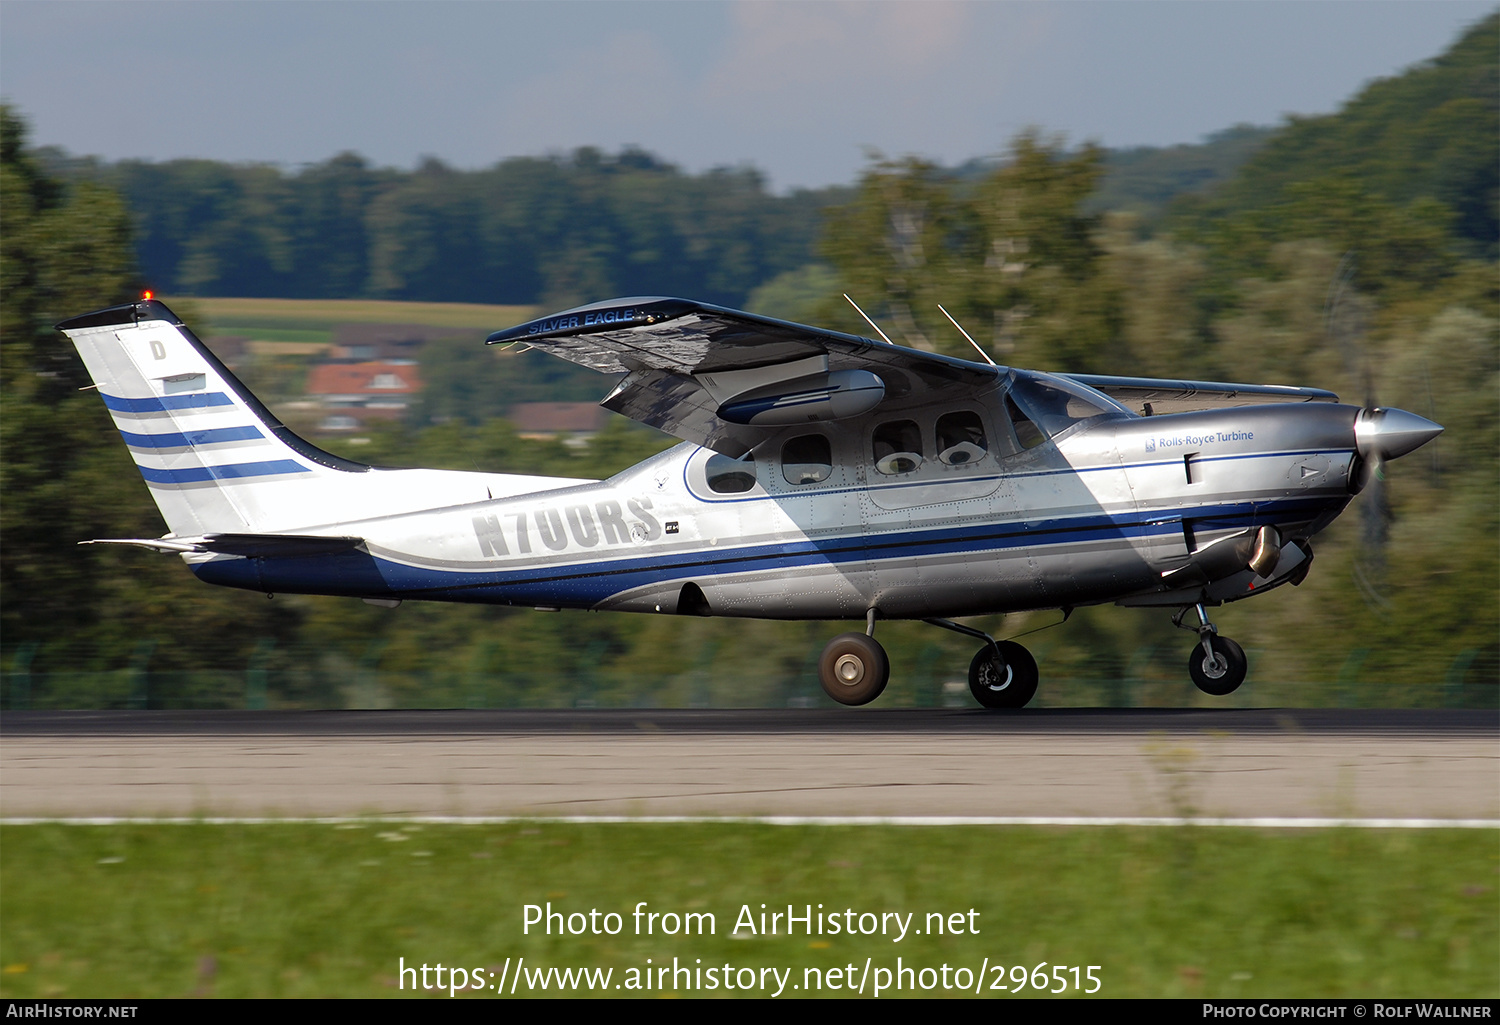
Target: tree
{"x":1013,"y":256}
{"x":65,"y":477}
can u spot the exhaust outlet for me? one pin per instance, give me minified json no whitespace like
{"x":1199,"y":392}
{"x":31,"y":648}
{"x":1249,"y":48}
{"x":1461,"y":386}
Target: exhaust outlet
{"x":1267,"y":551}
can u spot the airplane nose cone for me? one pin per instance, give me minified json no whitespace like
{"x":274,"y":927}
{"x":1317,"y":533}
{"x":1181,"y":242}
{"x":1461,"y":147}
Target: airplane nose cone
{"x":1390,"y":433}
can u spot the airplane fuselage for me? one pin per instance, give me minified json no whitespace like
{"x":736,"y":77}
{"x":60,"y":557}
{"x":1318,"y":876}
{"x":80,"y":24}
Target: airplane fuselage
{"x":1104,"y":510}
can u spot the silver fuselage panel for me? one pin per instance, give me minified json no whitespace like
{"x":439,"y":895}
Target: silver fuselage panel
{"x":1108,"y":507}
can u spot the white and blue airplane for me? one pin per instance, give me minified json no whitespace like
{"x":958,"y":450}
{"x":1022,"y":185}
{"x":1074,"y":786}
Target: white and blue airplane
{"x":824,"y":476}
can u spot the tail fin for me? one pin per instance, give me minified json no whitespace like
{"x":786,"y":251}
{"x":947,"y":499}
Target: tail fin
{"x":196,"y":433}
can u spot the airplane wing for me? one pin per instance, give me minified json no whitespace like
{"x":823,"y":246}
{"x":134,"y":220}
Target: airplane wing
{"x":1151,"y":396}
{"x":727,"y":379}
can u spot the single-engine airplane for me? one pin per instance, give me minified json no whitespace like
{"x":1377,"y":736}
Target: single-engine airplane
{"x":824,"y":476}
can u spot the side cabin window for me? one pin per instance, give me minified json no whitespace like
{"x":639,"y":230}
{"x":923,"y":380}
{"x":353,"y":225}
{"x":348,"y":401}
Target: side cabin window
{"x":960,"y":438}
{"x":807,"y":459}
{"x":898,"y":447}
{"x":728,"y":476}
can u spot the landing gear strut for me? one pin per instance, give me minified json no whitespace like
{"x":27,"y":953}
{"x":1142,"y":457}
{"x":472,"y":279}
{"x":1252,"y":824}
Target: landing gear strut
{"x":1002,"y":675}
{"x":1217,"y":664}
{"x":854,"y":668}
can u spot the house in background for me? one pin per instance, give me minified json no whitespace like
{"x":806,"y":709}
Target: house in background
{"x":351,"y":394}
{"x":370,"y":373}
{"x":580,"y":421}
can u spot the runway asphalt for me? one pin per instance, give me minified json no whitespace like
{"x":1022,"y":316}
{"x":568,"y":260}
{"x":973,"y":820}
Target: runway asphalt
{"x":1298,"y":763}
{"x":1433,"y":722}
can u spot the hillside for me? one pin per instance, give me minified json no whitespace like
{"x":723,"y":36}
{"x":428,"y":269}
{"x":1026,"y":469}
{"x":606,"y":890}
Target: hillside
{"x":1426,"y":134}
{"x":1145,"y":179}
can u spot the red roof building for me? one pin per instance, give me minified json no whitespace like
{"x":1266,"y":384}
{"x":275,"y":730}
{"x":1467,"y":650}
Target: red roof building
{"x":355,"y":392}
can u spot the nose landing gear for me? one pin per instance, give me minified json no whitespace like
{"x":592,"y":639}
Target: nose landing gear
{"x":1216,"y":664}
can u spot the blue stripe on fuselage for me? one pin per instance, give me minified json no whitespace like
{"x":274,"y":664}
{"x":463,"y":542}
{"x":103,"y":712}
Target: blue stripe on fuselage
{"x":587,"y":583}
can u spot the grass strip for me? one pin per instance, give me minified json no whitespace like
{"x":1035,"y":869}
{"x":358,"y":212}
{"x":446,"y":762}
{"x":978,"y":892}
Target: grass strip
{"x":284,"y":910}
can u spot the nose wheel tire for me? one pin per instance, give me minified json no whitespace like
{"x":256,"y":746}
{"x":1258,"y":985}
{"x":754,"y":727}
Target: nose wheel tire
{"x":1010,"y":685}
{"x":853,"y":669}
{"x":1224,"y":672}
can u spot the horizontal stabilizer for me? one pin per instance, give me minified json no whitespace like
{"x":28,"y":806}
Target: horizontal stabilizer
{"x":254,"y":545}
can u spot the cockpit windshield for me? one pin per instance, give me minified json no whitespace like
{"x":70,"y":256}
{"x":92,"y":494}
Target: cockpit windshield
{"x":1055,"y":403}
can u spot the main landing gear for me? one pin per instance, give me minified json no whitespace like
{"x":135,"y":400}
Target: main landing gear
{"x":1217,"y":664}
{"x":854,"y":668}
{"x":1003,"y":675}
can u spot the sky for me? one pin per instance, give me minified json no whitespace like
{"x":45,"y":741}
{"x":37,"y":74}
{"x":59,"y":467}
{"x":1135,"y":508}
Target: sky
{"x":805,"y":91}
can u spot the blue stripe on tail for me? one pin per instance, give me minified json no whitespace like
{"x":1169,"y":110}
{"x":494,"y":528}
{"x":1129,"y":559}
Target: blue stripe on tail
{"x":187,"y":439}
{"x":196,"y":400}
{"x":232,"y":471}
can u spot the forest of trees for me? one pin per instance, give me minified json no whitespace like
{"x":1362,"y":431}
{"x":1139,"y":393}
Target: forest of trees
{"x":556,"y":231}
{"x":1355,"y":251}
{"x":552,"y":231}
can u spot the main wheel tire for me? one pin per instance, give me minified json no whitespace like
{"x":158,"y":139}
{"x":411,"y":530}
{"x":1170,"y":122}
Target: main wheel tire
{"x":1224,"y":673}
{"x":1008,"y":686}
{"x":853,"y":669}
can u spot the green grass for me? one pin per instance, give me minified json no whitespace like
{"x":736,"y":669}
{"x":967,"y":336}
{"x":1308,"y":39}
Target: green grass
{"x":324,"y":910}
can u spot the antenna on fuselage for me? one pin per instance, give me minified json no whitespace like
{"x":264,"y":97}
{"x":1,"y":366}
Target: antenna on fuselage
{"x":966,"y":335}
{"x":862,"y":313}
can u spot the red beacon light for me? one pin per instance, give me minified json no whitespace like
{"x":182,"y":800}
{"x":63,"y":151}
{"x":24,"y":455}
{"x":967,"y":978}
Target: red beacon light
{"x":147,"y":295}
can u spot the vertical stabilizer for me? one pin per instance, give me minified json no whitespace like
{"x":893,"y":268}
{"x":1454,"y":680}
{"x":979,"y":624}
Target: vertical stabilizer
{"x":215,"y":458}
